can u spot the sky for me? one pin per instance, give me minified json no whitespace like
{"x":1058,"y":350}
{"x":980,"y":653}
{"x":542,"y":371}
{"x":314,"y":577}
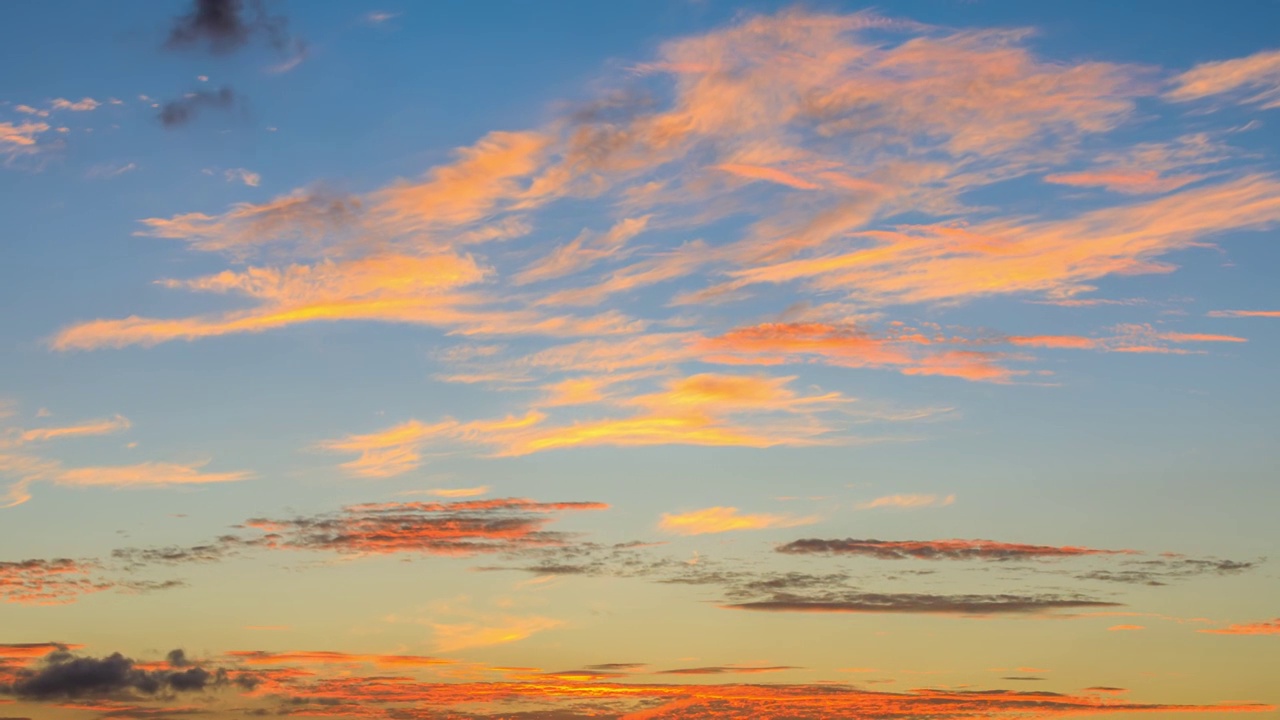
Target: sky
{"x":675,"y":359}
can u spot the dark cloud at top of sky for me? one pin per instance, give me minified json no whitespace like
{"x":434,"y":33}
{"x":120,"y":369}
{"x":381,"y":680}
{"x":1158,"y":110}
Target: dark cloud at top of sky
{"x":223,"y":26}
{"x":177,"y":113}
{"x":63,"y":675}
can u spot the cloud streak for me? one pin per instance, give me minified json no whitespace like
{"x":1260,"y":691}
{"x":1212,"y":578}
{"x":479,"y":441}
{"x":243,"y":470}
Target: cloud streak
{"x":989,"y":550}
{"x":726,"y":519}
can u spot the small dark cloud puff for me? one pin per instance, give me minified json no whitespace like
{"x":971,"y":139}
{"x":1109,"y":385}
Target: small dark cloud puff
{"x":177,"y":113}
{"x":224,"y":26}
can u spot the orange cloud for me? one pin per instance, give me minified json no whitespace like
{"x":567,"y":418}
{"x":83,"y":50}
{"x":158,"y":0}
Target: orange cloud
{"x":1245,"y":313}
{"x":456,"y":528}
{"x":1116,"y":628}
{"x":31,"y":470}
{"x":25,"y":651}
{"x":460,"y":492}
{"x":322,"y":657}
{"x":908,"y":501}
{"x":46,"y":582}
{"x":1129,"y":338}
{"x":1058,"y":258}
{"x":15,"y":139}
{"x":774,"y":175}
{"x":395,"y":450}
{"x":1259,"y":74}
{"x":500,"y":631}
{"x":725,"y":519}
{"x":376,"y":697}
{"x":584,"y":251}
{"x":910,"y":353}
{"x":83,"y":105}
{"x":1271,"y":627}
{"x":705,"y":409}
{"x":148,"y":474}
{"x":1132,"y":182}
{"x":118,"y":423}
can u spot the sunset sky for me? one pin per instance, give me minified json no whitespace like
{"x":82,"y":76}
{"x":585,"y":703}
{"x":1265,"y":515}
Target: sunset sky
{"x":645,"y":360}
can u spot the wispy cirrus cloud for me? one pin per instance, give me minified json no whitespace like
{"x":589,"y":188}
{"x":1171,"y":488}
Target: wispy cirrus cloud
{"x":704,"y":409}
{"x":726,"y":519}
{"x":31,"y":470}
{"x":1254,"y":80}
{"x":1244,"y":313}
{"x":18,"y":460}
{"x":329,"y":657}
{"x":452,"y":637}
{"x":907,"y":501}
{"x":1265,"y":627}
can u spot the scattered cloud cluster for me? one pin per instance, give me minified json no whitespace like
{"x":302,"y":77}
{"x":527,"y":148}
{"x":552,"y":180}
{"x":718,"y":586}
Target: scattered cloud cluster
{"x":48,"y":582}
{"x":457,"y":528}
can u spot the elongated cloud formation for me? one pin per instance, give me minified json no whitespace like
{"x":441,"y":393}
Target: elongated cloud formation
{"x":916,"y":603}
{"x":1245,"y":313}
{"x":725,"y":519}
{"x":1271,"y":627}
{"x":457,"y":528}
{"x":451,"y":637}
{"x":93,"y":427}
{"x":907,"y":501}
{"x":940,"y":549}
{"x":727,"y":669}
{"x":327,"y":657}
{"x":140,"y":475}
{"x":63,"y":675}
{"x":380,"y":697}
{"x":376,"y":697}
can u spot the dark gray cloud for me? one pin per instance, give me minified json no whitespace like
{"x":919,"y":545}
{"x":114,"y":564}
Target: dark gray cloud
{"x":939,"y":549}
{"x":220,"y":549}
{"x":1162,"y":571}
{"x":177,"y":113}
{"x":224,"y":26}
{"x":921,"y":603}
{"x":63,"y":675}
